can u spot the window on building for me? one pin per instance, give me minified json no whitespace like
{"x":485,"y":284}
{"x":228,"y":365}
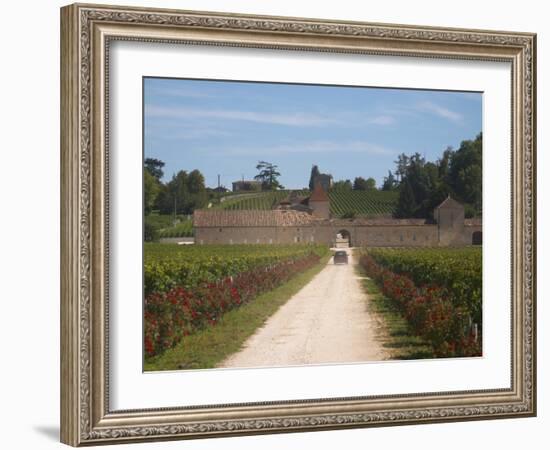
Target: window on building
{"x":401,"y":238}
{"x":220,"y":230}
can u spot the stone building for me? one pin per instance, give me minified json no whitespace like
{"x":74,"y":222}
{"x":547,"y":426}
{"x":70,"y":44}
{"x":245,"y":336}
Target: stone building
{"x":308,"y":220}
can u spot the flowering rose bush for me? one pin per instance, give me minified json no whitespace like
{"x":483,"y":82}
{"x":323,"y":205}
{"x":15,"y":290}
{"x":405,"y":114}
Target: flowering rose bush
{"x":180,"y":311}
{"x":458,"y":270}
{"x":429,"y":310}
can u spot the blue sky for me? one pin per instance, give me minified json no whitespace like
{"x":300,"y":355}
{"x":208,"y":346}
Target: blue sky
{"x":226,"y":127}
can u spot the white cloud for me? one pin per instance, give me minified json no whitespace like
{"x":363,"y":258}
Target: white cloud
{"x":183,"y":133}
{"x":180,"y":92}
{"x":315,"y":147}
{"x":293,"y":119}
{"x":381,"y":120}
{"x":440,"y":111}
{"x":289,"y":119}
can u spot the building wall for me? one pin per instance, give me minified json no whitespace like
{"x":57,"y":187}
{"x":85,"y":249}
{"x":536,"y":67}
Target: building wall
{"x":468,"y":234}
{"x":373,"y":236}
{"x":254,"y":235}
{"x":398,"y":236}
{"x":450,"y":225}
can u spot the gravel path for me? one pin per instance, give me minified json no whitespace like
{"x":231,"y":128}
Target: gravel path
{"x":327,"y":321}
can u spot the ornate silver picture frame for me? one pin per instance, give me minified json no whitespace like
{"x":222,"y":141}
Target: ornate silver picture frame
{"x":87,"y":34}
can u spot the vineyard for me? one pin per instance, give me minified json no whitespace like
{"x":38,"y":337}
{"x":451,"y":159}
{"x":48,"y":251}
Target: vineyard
{"x":181,"y":229}
{"x":164,"y":227}
{"x":438,"y":291}
{"x":189,"y":288}
{"x":258,"y":200}
{"x":362,"y":203}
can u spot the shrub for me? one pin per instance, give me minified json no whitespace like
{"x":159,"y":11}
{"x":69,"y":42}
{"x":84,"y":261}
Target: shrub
{"x":178,"y":312}
{"x":430,"y":311}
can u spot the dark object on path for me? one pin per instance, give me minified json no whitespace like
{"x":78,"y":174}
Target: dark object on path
{"x":340,"y":257}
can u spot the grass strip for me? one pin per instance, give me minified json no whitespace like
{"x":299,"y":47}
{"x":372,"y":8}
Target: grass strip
{"x":208,"y":347}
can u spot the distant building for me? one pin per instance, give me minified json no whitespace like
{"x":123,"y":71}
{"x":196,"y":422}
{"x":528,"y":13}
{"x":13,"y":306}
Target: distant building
{"x":298,"y":219}
{"x":247,"y":185}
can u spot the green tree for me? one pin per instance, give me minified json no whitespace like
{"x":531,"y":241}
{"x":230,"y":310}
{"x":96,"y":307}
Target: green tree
{"x":465,"y":172}
{"x":197,"y":195}
{"x":389,"y":182}
{"x":401,"y":163}
{"x":184,"y":193}
{"x":424,"y":184}
{"x":151,"y":189}
{"x":342,"y":185}
{"x":268,"y":176}
{"x":406,"y":204}
{"x":179,"y":191}
{"x":359,"y":184}
{"x":154,"y":166}
{"x":444,"y":163}
{"x":314,"y":174}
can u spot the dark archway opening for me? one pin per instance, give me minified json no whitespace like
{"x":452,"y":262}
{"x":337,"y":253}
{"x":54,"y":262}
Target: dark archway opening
{"x":477,"y":238}
{"x":343,"y":239}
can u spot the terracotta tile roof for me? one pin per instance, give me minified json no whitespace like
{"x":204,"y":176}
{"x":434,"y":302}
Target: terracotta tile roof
{"x":250,"y":218}
{"x":318,"y":194}
{"x":382,"y":221}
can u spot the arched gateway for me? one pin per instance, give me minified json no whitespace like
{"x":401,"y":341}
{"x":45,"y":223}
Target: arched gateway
{"x":343,"y":239}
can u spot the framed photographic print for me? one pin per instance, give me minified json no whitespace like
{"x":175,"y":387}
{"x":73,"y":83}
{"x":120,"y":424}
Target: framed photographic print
{"x":276,"y":224}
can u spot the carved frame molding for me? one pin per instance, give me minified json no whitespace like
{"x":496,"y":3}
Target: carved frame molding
{"x":86,"y":32}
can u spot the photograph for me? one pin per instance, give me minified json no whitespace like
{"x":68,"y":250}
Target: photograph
{"x":289,"y":224}
{"x":276,"y":224}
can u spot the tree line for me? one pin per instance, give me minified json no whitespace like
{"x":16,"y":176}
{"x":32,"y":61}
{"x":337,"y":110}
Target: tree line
{"x":423,"y":185}
{"x":187,"y":191}
{"x":358,"y":184}
{"x":184,"y":193}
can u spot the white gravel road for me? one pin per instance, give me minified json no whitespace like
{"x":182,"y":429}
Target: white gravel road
{"x":327,"y":321}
